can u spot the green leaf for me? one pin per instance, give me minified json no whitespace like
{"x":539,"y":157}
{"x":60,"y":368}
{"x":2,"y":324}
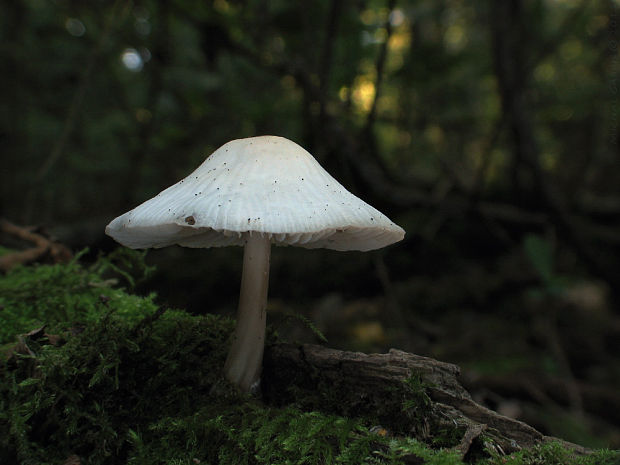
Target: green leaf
{"x":540,"y":253}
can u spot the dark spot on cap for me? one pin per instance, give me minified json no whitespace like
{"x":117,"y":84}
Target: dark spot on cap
{"x":190,"y":220}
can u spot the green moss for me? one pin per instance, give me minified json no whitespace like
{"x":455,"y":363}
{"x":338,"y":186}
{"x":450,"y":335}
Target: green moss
{"x":84,"y":396}
{"x":127,"y":382}
{"x":554,"y":453}
{"x":5,"y":251}
{"x":62,"y":294}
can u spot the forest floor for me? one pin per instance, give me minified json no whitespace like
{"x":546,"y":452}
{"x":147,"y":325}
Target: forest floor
{"x":92,"y":373}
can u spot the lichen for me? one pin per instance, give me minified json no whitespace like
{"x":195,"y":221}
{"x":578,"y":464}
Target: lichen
{"x":115,"y":378}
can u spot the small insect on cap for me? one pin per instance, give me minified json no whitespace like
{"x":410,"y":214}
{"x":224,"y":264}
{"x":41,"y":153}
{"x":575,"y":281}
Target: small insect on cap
{"x":264,"y":185}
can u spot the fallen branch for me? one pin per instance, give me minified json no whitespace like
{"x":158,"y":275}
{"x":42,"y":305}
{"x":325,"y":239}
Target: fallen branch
{"x":43,"y":246}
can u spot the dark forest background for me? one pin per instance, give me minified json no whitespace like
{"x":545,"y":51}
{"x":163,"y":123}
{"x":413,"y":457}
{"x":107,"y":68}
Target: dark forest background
{"x":487,"y":130}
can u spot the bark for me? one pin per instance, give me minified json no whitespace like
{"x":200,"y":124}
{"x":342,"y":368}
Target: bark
{"x":366,"y":384}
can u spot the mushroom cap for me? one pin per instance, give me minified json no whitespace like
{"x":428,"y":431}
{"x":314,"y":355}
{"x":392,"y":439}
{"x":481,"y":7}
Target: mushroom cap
{"x":264,"y":185}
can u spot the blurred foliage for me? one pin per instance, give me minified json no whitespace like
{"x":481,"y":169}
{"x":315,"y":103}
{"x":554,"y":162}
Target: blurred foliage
{"x":540,"y":253}
{"x":116,"y":100}
{"x":488,"y":130}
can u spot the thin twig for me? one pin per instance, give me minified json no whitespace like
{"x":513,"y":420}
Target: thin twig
{"x":481,"y":173}
{"x":380,"y":68}
{"x":327,"y":55}
{"x":331,"y":30}
{"x":550,"y":46}
{"x":74,"y":109}
{"x":42,"y":247}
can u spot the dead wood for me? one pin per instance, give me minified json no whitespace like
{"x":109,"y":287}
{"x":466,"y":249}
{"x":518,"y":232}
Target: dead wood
{"x":42,"y":247}
{"x":367,"y":383}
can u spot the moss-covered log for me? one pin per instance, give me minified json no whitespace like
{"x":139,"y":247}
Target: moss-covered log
{"x":367,"y":384}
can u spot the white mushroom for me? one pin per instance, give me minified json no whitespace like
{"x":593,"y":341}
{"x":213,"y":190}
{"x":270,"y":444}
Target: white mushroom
{"x":255,"y":192}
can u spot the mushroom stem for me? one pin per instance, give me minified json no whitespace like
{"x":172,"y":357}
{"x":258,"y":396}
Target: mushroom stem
{"x":243,"y":365}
